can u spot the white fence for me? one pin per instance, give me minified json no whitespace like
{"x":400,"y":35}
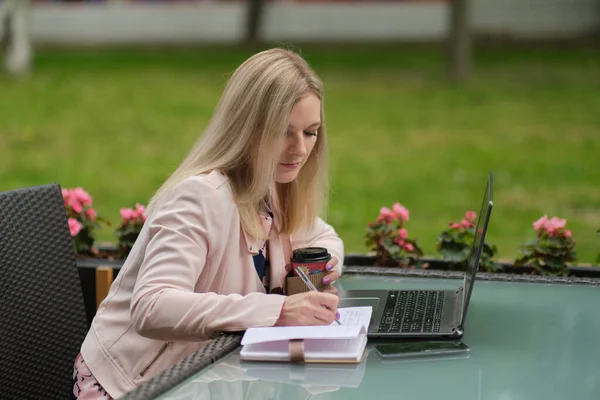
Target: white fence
{"x":140,"y":23}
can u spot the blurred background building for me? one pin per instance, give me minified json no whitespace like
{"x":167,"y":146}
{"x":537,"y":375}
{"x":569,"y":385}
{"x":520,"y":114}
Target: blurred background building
{"x":223,"y":21}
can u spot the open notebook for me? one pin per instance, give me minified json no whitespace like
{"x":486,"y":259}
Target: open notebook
{"x":333,"y":343}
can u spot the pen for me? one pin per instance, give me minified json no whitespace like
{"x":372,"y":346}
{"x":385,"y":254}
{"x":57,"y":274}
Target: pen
{"x":310,"y":285}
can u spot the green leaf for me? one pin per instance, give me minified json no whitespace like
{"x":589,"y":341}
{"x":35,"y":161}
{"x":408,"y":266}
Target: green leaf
{"x":445,"y":237}
{"x":521,"y":261}
{"x":533,"y":242}
{"x":553,"y":266}
{"x":457,"y":236}
{"x":527,"y":253}
{"x":454,"y":256}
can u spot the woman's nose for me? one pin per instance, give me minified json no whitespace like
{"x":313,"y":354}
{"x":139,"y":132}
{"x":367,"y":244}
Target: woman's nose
{"x":297,"y":145}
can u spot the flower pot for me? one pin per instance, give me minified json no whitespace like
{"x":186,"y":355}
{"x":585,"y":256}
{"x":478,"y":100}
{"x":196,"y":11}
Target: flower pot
{"x":437,"y":264}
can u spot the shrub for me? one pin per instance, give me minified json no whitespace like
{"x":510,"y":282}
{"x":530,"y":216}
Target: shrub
{"x":132,"y":221}
{"x":388,"y":238}
{"x":552,"y":248}
{"x":82,"y":218}
{"x":455,"y":244}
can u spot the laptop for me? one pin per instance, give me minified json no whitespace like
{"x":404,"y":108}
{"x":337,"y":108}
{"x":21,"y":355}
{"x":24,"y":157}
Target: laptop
{"x":424,"y":314}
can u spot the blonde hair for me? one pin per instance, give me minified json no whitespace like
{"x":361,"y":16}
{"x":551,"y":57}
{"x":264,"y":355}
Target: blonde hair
{"x":244,"y":138}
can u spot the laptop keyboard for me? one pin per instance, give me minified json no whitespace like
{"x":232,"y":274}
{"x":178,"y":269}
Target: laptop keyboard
{"x":412,"y":311}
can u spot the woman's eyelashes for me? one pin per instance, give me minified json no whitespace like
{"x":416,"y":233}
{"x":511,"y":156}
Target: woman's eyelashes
{"x":307,"y":133}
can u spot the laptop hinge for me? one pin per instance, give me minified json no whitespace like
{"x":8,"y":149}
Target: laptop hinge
{"x":458,"y":309}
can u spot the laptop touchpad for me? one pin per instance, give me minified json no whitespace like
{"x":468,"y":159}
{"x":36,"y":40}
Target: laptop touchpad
{"x":359,"y":302}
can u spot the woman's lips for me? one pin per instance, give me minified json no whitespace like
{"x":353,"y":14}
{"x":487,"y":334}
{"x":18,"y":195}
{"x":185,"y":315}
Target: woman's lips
{"x":290,"y":165}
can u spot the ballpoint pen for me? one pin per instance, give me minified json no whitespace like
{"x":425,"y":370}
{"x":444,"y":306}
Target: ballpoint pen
{"x":310,"y":285}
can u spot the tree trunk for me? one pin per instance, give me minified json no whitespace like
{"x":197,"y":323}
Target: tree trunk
{"x":459,"y":41}
{"x":16,"y":37}
{"x":254,"y":20}
{"x":5,"y":22}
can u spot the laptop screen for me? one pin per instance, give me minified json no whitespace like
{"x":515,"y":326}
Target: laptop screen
{"x":480,"y":231}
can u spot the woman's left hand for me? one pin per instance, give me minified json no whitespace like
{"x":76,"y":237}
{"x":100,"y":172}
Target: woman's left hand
{"x":332,"y":276}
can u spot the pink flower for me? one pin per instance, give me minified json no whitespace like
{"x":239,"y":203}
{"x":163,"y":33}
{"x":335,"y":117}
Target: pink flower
{"x":385,"y":214}
{"x":74,"y":226}
{"x":402,"y":233}
{"x":555,"y":224}
{"x":454,"y":225}
{"x":470,"y":215}
{"x":401,"y":212}
{"x":66,"y":194}
{"x":409,"y":247}
{"x":91,"y":214}
{"x":568,"y":233}
{"x":75,"y":205}
{"x":82,"y":196}
{"x":466,"y":223}
{"x":76,"y":199}
{"x":127,"y":214}
{"x":540,"y":223}
{"x":140,"y":211}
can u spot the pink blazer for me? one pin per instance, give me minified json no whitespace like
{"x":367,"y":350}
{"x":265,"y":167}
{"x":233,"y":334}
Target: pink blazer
{"x":189,"y":276}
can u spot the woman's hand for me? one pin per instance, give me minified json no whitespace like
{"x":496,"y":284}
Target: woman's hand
{"x":331,"y":277}
{"x":328,"y":279}
{"x":310,"y":308}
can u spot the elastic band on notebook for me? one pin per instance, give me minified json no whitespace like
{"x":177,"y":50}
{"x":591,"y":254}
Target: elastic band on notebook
{"x":296,"y":350}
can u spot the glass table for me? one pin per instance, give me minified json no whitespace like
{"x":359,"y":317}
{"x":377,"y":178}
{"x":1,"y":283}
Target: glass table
{"x":527,"y":340}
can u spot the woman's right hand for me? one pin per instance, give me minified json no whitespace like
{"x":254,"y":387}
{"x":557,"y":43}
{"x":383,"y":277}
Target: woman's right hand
{"x":310,"y":308}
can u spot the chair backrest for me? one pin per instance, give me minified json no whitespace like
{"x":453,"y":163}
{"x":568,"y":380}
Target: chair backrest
{"x":42,"y":314}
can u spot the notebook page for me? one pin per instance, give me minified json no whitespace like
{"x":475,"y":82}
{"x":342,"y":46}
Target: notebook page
{"x":334,"y":349}
{"x":281,"y":333}
{"x":355,"y":320}
{"x":360,"y":316}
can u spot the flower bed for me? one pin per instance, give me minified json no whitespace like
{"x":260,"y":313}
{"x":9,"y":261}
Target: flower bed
{"x":550,"y":252}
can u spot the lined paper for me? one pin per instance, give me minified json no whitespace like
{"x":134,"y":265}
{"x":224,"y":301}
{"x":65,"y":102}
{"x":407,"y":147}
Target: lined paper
{"x":355,"y":316}
{"x":355,"y":320}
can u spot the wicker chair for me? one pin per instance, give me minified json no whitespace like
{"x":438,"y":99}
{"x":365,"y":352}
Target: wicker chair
{"x":188,"y":367}
{"x":42,"y":314}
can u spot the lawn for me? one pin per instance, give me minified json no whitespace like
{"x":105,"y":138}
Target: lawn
{"x":118,"y":121}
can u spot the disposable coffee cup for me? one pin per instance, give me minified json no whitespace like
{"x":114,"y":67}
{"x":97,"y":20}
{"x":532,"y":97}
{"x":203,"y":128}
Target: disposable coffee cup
{"x":312,"y":259}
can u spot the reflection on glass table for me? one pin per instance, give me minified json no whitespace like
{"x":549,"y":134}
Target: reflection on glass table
{"x":233,"y":378}
{"x":528,"y":341}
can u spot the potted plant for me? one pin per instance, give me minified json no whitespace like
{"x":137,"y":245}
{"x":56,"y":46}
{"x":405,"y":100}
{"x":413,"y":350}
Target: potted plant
{"x":83,"y":221}
{"x":132,"y":221}
{"x":105,"y":256}
{"x":551,"y":250}
{"x":455,"y":243}
{"x":388,"y":239}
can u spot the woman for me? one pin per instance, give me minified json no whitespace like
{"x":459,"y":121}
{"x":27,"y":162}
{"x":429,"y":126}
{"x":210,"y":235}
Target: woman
{"x":213,"y":253}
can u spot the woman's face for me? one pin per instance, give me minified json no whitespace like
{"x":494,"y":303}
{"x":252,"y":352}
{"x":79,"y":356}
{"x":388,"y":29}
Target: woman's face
{"x":300,"y":139}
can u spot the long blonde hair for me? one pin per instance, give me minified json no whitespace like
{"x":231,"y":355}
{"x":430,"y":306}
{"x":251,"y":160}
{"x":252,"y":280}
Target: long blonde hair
{"x":244,"y":138}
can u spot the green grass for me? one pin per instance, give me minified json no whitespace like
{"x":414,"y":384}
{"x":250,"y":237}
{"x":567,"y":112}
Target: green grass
{"x":118,"y":121}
